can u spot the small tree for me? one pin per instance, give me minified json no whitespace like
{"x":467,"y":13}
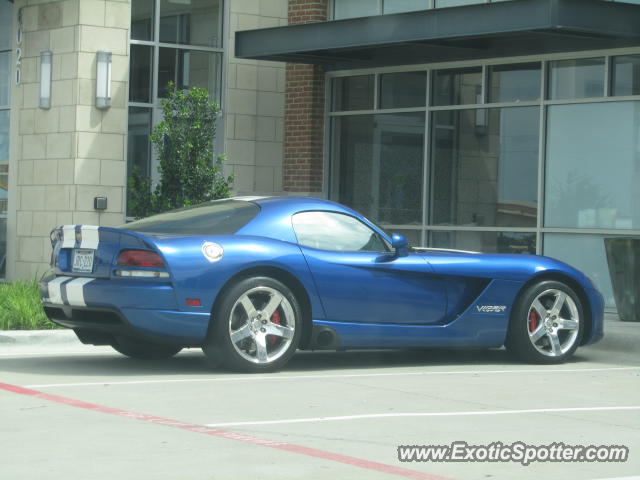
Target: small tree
{"x":184,"y":143}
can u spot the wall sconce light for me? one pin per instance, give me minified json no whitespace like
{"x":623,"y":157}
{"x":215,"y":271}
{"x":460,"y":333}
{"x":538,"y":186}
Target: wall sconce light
{"x":103,"y":80}
{"x":45,"y":79}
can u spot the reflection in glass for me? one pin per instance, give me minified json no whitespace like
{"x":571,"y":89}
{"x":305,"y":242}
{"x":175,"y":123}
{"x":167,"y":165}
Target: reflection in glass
{"x":5,"y":78}
{"x":3,"y":246}
{"x":336,"y":232}
{"x":626,"y":75}
{"x":579,"y":78}
{"x":140,"y":73}
{"x":142,"y":19}
{"x":353,"y":93}
{"x":514,"y":83}
{"x":4,"y":136}
{"x":138,"y":146}
{"x":593,"y":166}
{"x":487,"y":242}
{"x":456,"y":3}
{"x":397,"y":6}
{"x":458,"y":86}
{"x":378,"y":163}
{"x":485,"y":167}
{"x":354,"y":8}
{"x":586,"y":253}
{"x":195,"y":22}
{"x":403,"y":90}
{"x":189,"y":68}
{"x":6,"y":18}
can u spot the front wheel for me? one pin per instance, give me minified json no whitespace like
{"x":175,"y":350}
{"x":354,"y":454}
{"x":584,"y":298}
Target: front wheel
{"x":257,"y":326}
{"x":546,"y":324}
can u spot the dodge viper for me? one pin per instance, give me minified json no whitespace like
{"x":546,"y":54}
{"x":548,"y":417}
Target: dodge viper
{"x":251,"y":280}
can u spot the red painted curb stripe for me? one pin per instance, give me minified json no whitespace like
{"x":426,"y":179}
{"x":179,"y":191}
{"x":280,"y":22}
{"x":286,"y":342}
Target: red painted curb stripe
{"x":226,"y":434}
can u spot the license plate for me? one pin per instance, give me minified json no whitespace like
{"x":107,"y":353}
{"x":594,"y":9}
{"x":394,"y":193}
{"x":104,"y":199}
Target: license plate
{"x":82,"y":261}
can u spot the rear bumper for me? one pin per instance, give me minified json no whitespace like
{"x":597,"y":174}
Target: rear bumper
{"x":122,"y":308}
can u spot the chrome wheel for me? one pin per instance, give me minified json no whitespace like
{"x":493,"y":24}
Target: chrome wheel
{"x":262,"y":325}
{"x":553,"y":323}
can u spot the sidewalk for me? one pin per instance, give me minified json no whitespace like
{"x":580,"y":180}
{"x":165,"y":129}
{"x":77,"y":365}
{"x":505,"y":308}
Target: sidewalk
{"x":618,"y":337}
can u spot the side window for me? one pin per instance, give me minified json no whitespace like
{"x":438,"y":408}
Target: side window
{"x":336,"y":231}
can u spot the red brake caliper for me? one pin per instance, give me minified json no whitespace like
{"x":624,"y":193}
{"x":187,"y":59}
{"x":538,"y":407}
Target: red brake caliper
{"x":275,"y":318}
{"x":533,"y":321}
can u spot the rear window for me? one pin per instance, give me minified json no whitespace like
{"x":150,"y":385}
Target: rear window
{"x":219,"y":217}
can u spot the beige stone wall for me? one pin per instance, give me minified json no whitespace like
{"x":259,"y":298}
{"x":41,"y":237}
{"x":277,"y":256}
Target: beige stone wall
{"x":63,"y":157}
{"x":254,"y":108}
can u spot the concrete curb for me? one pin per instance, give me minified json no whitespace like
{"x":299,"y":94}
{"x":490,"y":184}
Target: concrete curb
{"x":618,"y":337}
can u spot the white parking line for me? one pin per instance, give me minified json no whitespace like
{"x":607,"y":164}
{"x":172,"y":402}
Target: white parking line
{"x":253,"y":378}
{"x":423,"y":414}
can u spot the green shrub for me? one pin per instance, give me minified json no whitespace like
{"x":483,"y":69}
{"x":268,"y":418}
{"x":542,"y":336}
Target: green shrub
{"x":20,"y":307}
{"x":189,"y":171}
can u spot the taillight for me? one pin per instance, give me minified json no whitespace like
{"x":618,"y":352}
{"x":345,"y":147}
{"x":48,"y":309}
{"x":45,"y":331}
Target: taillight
{"x":140,"y":258}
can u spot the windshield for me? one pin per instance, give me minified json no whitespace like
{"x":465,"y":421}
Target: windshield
{"x":219,"y":217}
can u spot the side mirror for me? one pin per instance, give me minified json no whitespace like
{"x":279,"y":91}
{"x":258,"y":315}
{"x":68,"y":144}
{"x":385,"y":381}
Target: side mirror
{"x":400,"y":245}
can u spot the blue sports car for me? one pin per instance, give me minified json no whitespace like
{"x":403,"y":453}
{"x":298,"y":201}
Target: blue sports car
{"x":253,"y":279}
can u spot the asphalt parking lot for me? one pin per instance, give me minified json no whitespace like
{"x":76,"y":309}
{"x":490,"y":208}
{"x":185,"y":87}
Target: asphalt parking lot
{"x":73,"y":411}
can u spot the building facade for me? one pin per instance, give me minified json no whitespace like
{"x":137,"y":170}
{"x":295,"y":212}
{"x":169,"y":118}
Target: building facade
{"x":502,"y":126}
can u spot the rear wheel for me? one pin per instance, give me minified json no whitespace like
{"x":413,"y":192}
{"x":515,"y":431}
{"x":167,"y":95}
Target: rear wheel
{"x":257,"y":326}
{"x":546,"y":324}
{"x":142,"y":349}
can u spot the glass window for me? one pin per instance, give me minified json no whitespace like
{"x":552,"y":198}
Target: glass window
{"x":3,"y":246}
{"x":397,"y":6}
{"x":514,"y":83}
{"x":336,"y":232}
{"x":457,"y":87}
{"x":5,"y":78}
{"x":140,"y":73}
{"x":4,"y":136}
{"x":354,"y":8}
{"x":579,"y":78}
{"x":488,"y":242}
{"x":403,"y":90}
{"x":586,"y":253}
{"x":485,"y":167}
{"x":626,"y":75}
{"x":142,"y":19}
{"x":189,"y":68}
{"x":378,"y":161}
{"x":4,"y":186}
{"x":593,"y":166}
{"x":6,"y":27}
{"x":353,"y":93}
{"x":218,"y":217}
{"x":195,"y":22}
{"x":138,"y":147}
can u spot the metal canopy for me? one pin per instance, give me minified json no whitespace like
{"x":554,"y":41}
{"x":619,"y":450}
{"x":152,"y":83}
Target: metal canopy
{"x":518,"y":27}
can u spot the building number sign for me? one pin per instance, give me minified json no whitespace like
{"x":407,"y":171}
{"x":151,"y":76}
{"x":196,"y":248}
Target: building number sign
{"x":19,"y":48}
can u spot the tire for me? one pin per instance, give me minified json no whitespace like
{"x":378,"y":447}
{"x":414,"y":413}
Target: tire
{"x":547,"y":323}
{"x":142,"y":349}
{"x":256,"y":327}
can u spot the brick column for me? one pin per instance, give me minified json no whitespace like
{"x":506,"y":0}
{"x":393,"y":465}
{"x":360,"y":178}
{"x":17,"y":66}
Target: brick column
{"x":304,"y":111}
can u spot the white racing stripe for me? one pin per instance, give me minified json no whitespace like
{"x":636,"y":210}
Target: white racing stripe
{"x":424,"y":414}
{"x":55,"y":290}
{"x":90,"y":237}
{"x":75,"y":292}
{"x":68,"y":236}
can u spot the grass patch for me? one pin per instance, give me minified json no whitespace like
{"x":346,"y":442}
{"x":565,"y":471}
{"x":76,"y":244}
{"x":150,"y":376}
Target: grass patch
{"x":20,"y":307}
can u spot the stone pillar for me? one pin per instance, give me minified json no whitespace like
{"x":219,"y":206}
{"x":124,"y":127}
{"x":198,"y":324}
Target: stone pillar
{"x":304,"y":112}
{"x":254,"y":104}
{"x":64,"y":156}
